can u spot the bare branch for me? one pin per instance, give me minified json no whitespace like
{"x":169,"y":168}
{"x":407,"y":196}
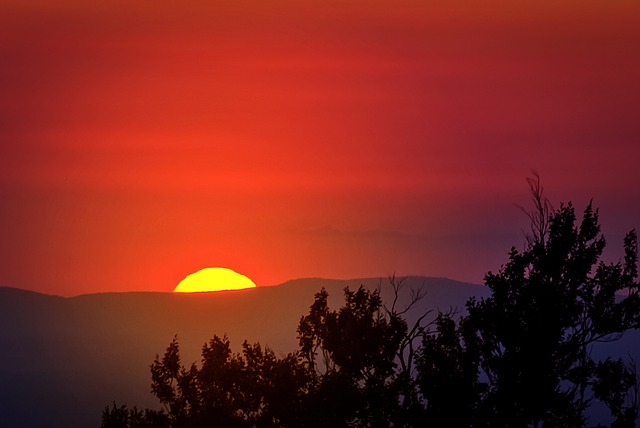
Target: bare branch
{"x":540,"y":214}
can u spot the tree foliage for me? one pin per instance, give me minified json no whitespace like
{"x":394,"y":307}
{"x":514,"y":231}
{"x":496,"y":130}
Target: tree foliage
{"x":345,"y":374}
{"x":550,"y":305}
{"x":522,"y":357}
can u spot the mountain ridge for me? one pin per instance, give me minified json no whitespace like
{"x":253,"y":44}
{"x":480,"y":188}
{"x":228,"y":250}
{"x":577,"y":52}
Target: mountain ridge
{"x":297,"y":281}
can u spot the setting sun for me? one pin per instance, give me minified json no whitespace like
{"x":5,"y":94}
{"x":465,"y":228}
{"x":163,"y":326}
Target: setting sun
{"x":213,"y":279}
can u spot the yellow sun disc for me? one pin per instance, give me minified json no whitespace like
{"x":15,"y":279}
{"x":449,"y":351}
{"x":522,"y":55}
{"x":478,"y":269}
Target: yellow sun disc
{"x":213,"y":279}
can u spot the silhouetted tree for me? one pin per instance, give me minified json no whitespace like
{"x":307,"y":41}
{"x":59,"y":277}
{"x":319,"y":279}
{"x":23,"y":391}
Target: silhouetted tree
{"x":354,"y":354}
{"x":346,"y":374}
{"x":549,"y":306}
{"x":122,"y":417}
{"x":254,"y":388}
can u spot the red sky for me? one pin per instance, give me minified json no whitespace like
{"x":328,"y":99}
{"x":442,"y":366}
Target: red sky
{"x":141,"y":141}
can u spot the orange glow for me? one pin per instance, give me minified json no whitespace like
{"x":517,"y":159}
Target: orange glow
{"x":213,"y":279}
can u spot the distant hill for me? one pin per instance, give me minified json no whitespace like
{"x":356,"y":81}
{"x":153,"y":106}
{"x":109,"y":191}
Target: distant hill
{"x":62,"y":360}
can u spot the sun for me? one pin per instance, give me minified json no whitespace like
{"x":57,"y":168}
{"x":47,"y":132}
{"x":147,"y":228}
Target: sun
{"x":213,"y":279}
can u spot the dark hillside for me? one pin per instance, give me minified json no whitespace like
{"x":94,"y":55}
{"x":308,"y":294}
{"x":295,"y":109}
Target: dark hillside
{"x":63,"y":359}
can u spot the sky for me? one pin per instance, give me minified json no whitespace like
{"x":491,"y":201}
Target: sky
{"x":142,"y":141}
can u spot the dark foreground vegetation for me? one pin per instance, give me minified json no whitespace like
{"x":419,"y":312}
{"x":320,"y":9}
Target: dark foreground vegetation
{"x":521,"y":357}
